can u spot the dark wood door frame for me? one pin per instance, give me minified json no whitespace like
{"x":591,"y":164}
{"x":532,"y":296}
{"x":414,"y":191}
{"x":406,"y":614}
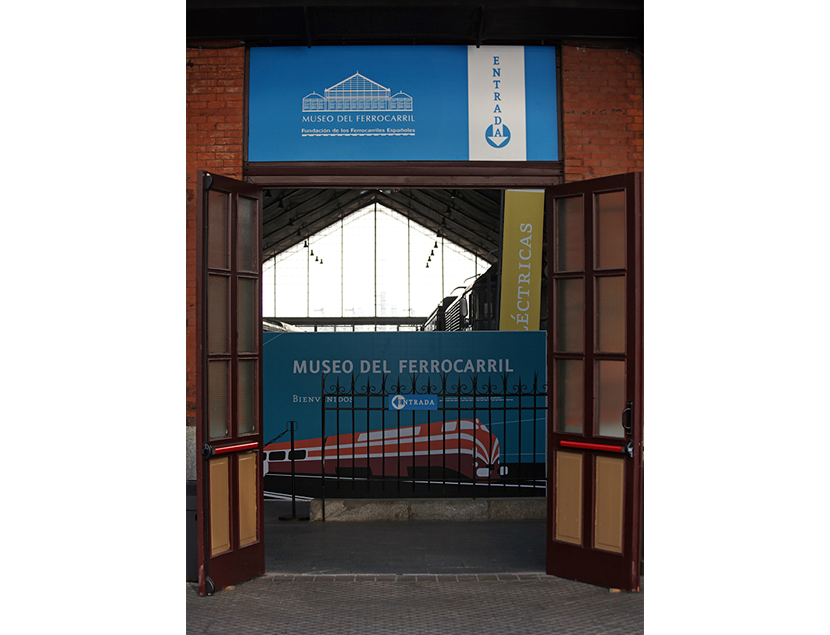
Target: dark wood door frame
{"x":406,"y":174}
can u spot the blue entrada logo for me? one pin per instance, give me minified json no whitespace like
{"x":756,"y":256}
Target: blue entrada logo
{"x":413,"y":402}
{"x":498,"y":135}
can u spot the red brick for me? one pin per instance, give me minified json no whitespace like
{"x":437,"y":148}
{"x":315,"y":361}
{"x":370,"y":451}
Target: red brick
{"x":215,"y":111}
{"x":602,"y":93}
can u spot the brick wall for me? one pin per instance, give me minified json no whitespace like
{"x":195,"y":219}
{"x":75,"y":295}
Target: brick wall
{"x":215,"y":111}
{"x":602,"y":109}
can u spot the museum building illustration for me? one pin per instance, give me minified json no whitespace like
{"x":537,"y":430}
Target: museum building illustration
{"x":357,"y":93}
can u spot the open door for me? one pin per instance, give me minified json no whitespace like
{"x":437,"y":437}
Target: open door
{"x":595,"y":385}
{"x":229,"y":382}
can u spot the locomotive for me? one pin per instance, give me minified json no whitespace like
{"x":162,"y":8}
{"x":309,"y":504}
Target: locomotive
{"x":474,"y":310}
{"x":477,"y":308}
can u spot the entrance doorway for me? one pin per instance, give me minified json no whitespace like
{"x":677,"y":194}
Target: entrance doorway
{"x":443,"y":175}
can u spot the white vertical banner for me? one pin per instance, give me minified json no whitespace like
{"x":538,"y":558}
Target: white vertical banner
{"x":496,"y":103}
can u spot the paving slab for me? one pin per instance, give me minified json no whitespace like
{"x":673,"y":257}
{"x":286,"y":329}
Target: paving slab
{"x":402,"y":578}
{"x":526,"y":604}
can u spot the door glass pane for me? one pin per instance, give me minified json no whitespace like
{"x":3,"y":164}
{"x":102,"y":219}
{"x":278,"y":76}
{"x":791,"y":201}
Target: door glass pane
{"x":246,"y":387}
{"x":569,"y":234}
{"x":247,"y":247}
{"x":569,"y":395}
{"x":218,"y":399}
{"x":217,"y":247}
{"x":570,"y":313}
{"x":610,"y":230}
{"x":217,"y":314}
{"x":247,"y":314}
{"x":611,"y":314}
{"x":610,"y":398}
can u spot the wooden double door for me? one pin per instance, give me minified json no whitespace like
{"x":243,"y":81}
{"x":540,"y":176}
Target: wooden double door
{"x":594,"y":373}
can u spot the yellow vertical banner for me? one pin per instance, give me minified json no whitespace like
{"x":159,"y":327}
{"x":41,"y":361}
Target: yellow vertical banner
{"x":521,"y":260}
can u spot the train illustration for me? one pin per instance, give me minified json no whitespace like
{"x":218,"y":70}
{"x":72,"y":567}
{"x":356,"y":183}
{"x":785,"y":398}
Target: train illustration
{"x":462,"y":448}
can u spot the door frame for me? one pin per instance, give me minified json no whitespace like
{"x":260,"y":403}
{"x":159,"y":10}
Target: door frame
{"x":424,"y":175}
{"x":494,"y":175}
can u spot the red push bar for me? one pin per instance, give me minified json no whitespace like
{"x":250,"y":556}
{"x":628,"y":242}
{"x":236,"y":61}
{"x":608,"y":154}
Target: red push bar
{"x":592,"y":446}
{"x":252,"y":445}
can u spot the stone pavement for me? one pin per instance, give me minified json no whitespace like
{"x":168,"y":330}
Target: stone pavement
{"x":409,"y":577}
{"x":529,"y":604}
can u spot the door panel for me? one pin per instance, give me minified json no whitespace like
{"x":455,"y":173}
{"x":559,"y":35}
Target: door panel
{"x":248,"y":507}
{"x":220,"y":506}
{"x":568,"y":517}
{"x":229,"y":382}
{"x":595,"y":355}
{"x":609,"y":503}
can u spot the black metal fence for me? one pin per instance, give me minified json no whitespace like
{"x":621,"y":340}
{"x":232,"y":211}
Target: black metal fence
{"x":459,"y":437}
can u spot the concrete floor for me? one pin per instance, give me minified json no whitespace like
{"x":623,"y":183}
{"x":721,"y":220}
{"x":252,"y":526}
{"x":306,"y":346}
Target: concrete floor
{"x":496,"y":546}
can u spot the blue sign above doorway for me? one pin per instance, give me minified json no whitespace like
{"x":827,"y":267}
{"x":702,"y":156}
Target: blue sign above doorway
{"x":402,"y":103}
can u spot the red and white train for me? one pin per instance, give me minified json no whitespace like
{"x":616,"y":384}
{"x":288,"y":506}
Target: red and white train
{"x":467,"y":448}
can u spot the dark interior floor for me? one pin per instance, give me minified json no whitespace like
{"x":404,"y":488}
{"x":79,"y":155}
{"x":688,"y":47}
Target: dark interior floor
{"x":302,"y":547}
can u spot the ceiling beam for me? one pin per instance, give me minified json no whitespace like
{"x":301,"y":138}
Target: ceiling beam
{"x":309,"y":220}
{"x":471,"y":22}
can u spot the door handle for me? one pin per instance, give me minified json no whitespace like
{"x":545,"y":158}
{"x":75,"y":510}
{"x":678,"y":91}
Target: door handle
{"x":208,"y":450}
{"x":626,"y":418}
{"x":581,"y":445}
